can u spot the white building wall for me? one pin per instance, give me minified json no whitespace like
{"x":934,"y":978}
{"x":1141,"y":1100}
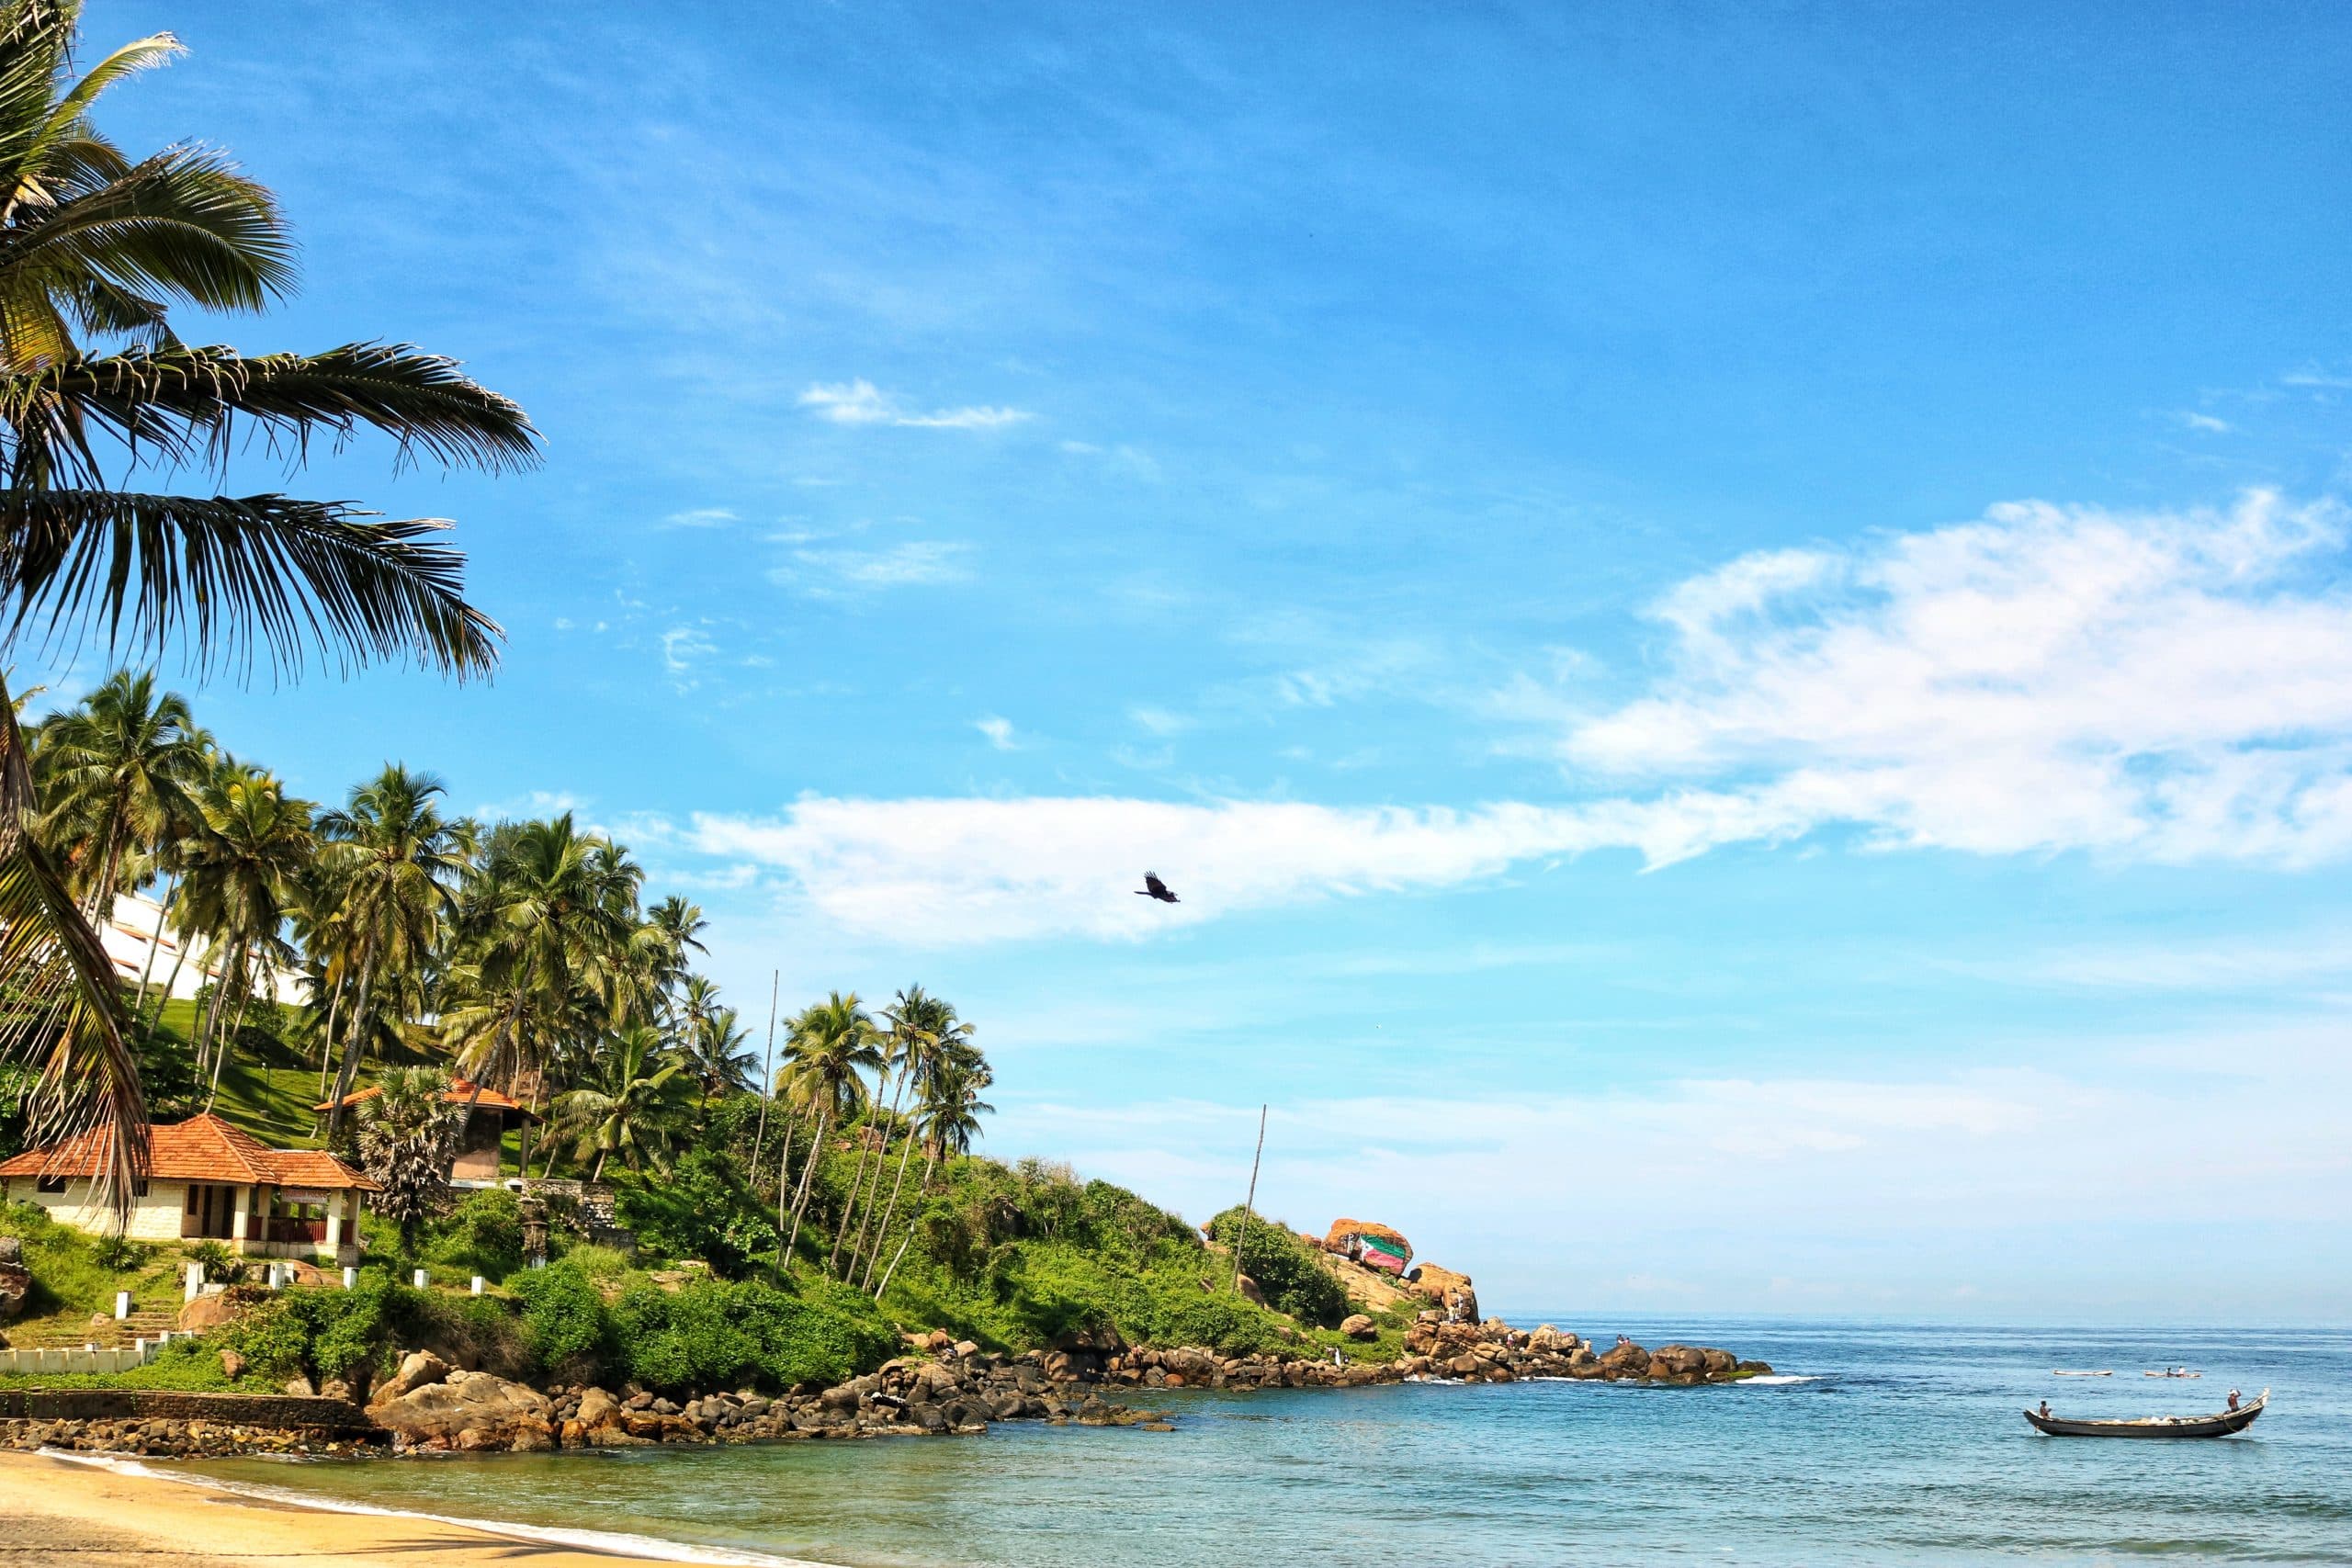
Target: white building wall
{"x":154,"y":1214}
{"x":132,"y":932}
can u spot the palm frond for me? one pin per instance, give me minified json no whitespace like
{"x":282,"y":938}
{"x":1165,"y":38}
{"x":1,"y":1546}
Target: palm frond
{"x":235,"y":576}
{"x":60,"y":1008}
{"x":194,"y":404}
{"x":183,"y":223}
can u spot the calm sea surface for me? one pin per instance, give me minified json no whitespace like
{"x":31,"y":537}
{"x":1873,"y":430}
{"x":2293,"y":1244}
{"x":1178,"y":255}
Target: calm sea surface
{"x":1904,"y":1446}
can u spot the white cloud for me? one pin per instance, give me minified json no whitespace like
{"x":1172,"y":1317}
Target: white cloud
{"x":997,"y":730}
{"x":1161,"y":721}
{"x":951,"y":871}
{"x":681,"y":647}
{"x":2205,"y":423}
{"x":917,"y":563}
{"x":699,"y":517}
{"x":861,"y":403}
{"x":2169,"y":686}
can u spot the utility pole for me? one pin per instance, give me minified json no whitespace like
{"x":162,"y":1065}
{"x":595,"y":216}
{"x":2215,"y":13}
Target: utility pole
{"x":1250,"y":1205}
{"x":767,"y":1084}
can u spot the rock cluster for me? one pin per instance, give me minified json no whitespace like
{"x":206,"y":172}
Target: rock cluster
{"x":1494,"y":1351}
{"x":16,"y":1279}
{"x":429,"y":1406}
{"x":179,"y":1440}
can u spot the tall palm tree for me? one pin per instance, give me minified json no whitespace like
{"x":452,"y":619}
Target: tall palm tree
{"x":241,"y":874}
{"x":830,"y":1044}
{"x":673,"y":928}
{"x":114,"y":773}
{"x":97,"y":247}
{"x":632,"y":1105}
{"x":935,"y":1039}
{"x":712,"y":1040}
{"x":395,"y":861}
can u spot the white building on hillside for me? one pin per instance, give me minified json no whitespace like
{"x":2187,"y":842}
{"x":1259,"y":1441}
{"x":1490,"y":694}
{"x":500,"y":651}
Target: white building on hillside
{"x":133,"y":936}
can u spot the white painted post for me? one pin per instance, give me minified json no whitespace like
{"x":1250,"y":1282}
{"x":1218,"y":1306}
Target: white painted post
{"x":476,"y":1284}
{"x":194,"y":1281}
{"x":350,"y":1279}
{"x":121,"y":1305}
{"x":419,"y":1279}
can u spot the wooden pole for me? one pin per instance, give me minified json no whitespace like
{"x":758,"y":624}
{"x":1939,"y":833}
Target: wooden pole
{"x":1250,"y":1205}
{"x":767,"y":1084}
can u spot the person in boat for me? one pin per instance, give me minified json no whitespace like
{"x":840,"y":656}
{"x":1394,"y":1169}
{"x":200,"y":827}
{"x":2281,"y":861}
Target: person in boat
{"x":2233,"y":1399}
{"x":2045,"y":1410}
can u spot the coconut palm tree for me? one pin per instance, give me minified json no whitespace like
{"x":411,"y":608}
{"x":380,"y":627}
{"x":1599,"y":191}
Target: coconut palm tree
{"x":633,"y":1104}
{"x":673,"y":928}
{"x":114,"y":773}
{"x":831,"y":1043}
{"x":96,"y":248}
{"x":240,"y":873}
{"x":933,"y":1038}
{"x":394,"y":862}
{"x":407,"y":1133}
{"x":712,"y":1040}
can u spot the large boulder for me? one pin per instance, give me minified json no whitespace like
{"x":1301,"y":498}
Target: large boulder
{"x":1450,"y":1290}
{"x":1358,"y":1327}
{"x":473,"y":1412}
{"x":1680,"y":1363}
{"x":418,"y":1369}
{"x":211,"y":1311}
{"x":1625,"y":1360}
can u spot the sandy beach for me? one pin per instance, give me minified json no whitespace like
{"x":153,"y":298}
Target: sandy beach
{"x":56,"y":1510}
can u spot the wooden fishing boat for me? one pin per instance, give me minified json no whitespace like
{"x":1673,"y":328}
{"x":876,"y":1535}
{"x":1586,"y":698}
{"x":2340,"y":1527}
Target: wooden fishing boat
{"x":2220,"y":1424}
{"x":2062,"y":1372}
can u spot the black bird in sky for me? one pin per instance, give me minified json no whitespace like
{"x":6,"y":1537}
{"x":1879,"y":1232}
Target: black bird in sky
{"x":1154,"y":889}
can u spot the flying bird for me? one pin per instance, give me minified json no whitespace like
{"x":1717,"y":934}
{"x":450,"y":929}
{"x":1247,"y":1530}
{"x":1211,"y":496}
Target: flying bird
{"x":1154,"y":889}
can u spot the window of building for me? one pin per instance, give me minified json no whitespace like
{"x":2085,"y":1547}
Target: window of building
{"x":53,"y":1185}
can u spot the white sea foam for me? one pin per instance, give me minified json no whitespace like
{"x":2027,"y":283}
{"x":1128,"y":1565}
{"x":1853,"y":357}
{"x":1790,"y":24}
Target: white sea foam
{"x":613,"y":1541}
{"x":1776,"y":1380}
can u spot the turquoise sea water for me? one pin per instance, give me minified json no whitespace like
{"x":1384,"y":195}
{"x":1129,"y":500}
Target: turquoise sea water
{"x":1904,"y":1446}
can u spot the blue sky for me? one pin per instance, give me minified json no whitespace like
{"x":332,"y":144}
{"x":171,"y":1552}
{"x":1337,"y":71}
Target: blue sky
{"x":1731,"y":620}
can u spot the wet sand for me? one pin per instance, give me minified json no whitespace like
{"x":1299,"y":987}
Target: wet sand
{"x":57,"y":1511}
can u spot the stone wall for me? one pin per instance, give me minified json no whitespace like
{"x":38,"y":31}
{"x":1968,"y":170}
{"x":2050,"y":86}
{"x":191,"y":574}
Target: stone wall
{"x":285,"y":1411}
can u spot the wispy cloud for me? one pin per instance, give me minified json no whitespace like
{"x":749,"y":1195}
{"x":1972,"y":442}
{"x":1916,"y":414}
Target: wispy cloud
{"x":699,"y":517}
{"x":997,"y":730}
{"x":681,"y":647}
{"x":861,"y":403}
{"x":917,"y":563}
{"x":2205,"y":423}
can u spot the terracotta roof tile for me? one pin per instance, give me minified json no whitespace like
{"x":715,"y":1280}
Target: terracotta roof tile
{"x":202,"y":1148}
{"x":461,"y":1091}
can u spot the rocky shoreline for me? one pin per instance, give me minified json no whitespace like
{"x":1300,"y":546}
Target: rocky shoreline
{"x":938,"y":1388}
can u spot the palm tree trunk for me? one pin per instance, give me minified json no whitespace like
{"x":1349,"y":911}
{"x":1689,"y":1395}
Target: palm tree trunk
{"x":179,"y":961}
{"x":240,"y":979}
{"x":901,"y":1254}
{"x":351,"y":1049}
{"x":897,"y":1093}
{"x":809,"y":1179}
{"x":767,"y":1084}
{"x":857,"y":1184}
{"x":155,"y":942}
{"x":906,"y":1157}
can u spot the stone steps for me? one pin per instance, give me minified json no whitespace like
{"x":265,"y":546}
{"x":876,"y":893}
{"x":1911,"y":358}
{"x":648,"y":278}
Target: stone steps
{"x":112,"y":1334}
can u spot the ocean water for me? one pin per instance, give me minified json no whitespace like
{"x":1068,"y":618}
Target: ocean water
{"x":1899,"y":1444}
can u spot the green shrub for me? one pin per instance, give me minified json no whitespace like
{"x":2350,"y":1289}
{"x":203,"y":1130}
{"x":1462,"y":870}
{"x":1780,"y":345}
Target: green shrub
{"x":483,"y":1234}
{"x":221,"y":1267}
{"x":1288,"y":1271}
{"x":719,"y":1334}
{"x":700,"y":1208}
{"x":1225,"y":1323}
{"x":565,"y":1321}
{"x":120,"y":1253}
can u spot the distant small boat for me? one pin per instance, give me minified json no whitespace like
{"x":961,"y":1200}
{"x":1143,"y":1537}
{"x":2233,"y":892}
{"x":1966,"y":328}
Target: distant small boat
{"x":2168,"y":1372}
{"x":2222,"y":1424}
{"x":2067,"y":1374}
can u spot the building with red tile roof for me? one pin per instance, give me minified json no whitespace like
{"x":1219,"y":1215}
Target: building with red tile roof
{"x":205,"y":1179}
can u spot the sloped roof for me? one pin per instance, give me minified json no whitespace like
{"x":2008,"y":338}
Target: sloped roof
{"x":202,"y":1148}
{"x":462,"y":1092}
